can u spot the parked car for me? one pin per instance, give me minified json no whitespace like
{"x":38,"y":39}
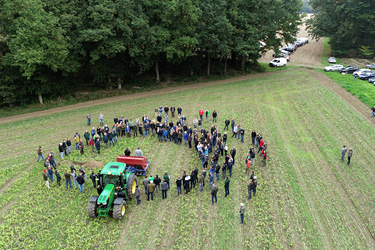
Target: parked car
{"x":366,"y":75}
{"x":278,"y":62}
{"x":360,"y":71}
{"x":281,"y":55}
{"x":334,"y":67}
{"x":284,"y":52}
{"x":349,"y":69}
{"x":304,"y":40}
{"x":371,"y":80}
{"x":370,"y":66}
{"x":262,"y":44}
{"x":289,"y":47}
{"x":332,"y":59}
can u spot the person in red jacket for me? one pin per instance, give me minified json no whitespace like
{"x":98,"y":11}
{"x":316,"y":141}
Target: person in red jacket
{"x":261,"y":143}
{"x":201,"y":113}
{"x":264,"y":161}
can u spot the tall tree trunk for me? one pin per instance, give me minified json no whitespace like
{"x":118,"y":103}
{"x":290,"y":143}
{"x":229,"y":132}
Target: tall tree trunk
{"x":119,"y":82}
{"x":208,"y":63}
{"x":243,"y":63}
{"x":40,"y":98}
{"x":225,"y":65}
{"x":157,"y":71}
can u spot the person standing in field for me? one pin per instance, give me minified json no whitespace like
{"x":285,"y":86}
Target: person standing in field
{"x":137,"y":194}
{"x":264,"y":161}
{"x":81,"y":147}
{"x":93,"y":177}
{"x":255,"y":184}
{"x":343,"y":152}
{"x":86,"y":135}
{"x":226,"y":186}
{"x":350,"y":153}
{"x":88,"y":119}
{"x":81,"y":183}
{"x":373,"y":111}
{"x":200,"y":182}
{"x":74,"y":176}
{"x":214,"y":193}
{"x":101,"y":119}
{"x":232,"y":123}
{"x":45,"y":178}
{"x":40,"y":153}
{"x":179,"y":111}
{"x":227,"y":122}
{"x":58,"y":177}
{"x":97,"y":145}
{"x":201,"y":114}
{"x":50,"y":173}
{"x":138,"y":152}
{"x":67,"y":179}
{"x":214,"y":116}
{"x":242,"y":212}
{"x":150,"y":191}
{"x":242,"y":134}
{"x":253,"y":136}
{"x":157,"y":182}
{"x":250,"y":188}
{"x":248,"y":165}
{"x":145,"y":183}
{"x":164,"y":189}
{"x":173,"y":110}
{"x":178,"y":184}
{"x":166,"y":177}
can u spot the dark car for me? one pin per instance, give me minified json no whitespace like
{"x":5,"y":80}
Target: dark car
{"x":366,"y":75}
{"x":371,"y":80}
{"x":349,"y":69}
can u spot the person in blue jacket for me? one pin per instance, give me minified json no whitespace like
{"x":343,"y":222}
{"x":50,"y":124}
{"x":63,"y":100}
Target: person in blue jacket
{"x":165,"y":134}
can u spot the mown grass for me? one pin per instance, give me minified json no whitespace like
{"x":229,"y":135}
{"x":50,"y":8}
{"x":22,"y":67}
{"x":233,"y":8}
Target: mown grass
{"x":304,"y":199}
{"x":364,"y":90}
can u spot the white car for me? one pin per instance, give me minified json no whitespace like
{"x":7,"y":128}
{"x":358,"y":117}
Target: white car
{"x":334,"y":67}
{"x":370,"y":66}
{"x":356,"y":73}
{"x":332,"y":59}
{"x":278,"y":62}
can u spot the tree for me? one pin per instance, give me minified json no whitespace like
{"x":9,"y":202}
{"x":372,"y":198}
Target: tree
{"x":214,"y":30}
{"x":350,"y":24}
{"x":36,"y":40}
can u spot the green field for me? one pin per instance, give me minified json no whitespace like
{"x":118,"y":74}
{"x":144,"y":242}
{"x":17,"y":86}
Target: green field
{"x":306,"y":199}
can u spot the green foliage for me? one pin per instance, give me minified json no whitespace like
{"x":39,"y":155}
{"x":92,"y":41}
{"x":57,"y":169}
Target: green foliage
{"x":54,"y":47}
{"x":350,"y":24}
{"x":366,"y":51}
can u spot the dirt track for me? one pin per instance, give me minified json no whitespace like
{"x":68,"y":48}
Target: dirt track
{"x":308,"y":55}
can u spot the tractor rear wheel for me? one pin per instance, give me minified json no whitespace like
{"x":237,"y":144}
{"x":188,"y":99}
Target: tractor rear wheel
{"x":91,"y":210}
{"x":119,"y":210}
{"x":131,"y":184}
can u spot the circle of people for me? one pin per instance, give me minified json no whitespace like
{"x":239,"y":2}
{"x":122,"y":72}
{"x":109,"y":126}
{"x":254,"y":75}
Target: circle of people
{"x":205,"y":142}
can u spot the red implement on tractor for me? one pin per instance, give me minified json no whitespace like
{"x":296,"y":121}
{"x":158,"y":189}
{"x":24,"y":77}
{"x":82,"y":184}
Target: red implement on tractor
{"x":134,"y":164}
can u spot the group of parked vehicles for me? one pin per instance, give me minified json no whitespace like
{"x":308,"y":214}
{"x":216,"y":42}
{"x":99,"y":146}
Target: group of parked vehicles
{"x":363,"y":74}
{"x":282,"y":57}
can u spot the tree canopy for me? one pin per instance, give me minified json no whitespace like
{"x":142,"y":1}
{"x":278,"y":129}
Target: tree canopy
{"x":50,"y":48}
{"x":350,"y":25}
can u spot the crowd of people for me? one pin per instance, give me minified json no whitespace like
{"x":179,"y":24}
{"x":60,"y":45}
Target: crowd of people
{"x":205,"y":142}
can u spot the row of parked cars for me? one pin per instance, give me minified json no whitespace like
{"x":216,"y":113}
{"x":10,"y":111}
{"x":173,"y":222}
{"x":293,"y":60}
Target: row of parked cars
{"x":283,"y":55}
{"x":363,"y":74}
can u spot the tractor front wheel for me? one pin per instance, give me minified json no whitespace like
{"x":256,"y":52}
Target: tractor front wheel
{"x":119,"y":210}
{"x":131,"y":184}
{"x":91,"y":210}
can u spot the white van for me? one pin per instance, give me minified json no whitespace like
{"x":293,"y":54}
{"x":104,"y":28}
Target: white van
{"x":278,"y":62}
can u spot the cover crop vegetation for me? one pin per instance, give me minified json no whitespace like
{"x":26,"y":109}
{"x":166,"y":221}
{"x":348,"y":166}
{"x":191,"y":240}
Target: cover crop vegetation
{"x":306,"y":197}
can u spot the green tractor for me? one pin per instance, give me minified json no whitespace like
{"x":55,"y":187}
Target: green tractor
{"x":115,"y":186}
